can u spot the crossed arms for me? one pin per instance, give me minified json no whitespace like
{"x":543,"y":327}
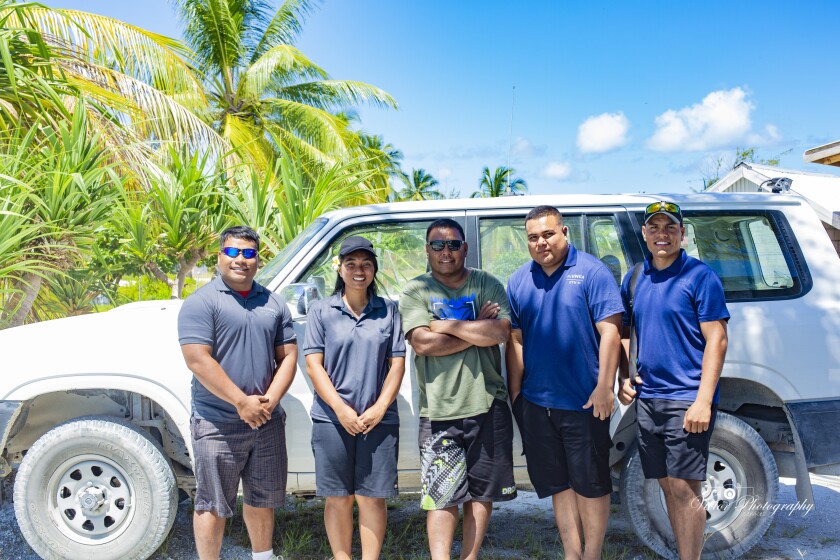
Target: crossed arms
{"x":443,"y":338}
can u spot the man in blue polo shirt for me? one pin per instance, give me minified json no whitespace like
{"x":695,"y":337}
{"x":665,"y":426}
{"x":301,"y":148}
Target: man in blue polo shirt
{"x":679,"y":315}
{"x":561,"y":362}
{"x":237,"y":339}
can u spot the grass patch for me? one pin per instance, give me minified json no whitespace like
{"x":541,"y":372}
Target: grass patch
{"x":300,"y":534}
{"x":793,"y":532}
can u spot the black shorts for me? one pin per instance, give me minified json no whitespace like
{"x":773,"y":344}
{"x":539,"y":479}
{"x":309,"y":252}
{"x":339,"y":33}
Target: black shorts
{"x":665,"y":448}
{"x":565,"y":449}
{"x":467,"y":459}
{"x":364,"y":464}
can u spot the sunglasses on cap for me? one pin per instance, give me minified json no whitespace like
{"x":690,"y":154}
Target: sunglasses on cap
{"x":663,"y":207}
{"x":438,"y":244}
{"x":233,"y":252}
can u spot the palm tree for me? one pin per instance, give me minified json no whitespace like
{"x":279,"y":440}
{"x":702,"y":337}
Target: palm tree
{"x":420,"y":186}
{"x":138,"y":89}
{"x":384,"y":159}
{"x":499,"y":183}
{"x":242,"y":85}
{"x":263,"y":92}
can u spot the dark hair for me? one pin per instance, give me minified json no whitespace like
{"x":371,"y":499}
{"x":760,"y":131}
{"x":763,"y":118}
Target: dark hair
{"x":239,"y":232}
{"x":448,"y":223}
{"x":339,"y":281}
{"x":544,"y":210}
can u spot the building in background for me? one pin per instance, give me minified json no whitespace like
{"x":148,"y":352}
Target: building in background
{"x":821,"y":190}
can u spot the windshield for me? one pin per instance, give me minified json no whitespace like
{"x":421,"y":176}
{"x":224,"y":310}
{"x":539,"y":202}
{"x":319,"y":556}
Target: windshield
{"x":273,"y":268}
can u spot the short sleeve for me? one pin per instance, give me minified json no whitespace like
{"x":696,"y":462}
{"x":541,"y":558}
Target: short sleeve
{"x":494,"y":291}
{"x":314,"y":339}
{"x":286,"y":333}
{"x":604,"y":298}
{"x":709,"y":298}
{"x":397,"y":349}
{"x":414,"y":311}
{"x":196,"y":324}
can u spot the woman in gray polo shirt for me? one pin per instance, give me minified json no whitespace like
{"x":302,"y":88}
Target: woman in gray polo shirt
{"x":355,"y":356}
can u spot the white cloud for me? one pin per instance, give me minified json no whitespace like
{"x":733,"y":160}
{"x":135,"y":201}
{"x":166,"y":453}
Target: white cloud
{"x":769,"y":135}
{"x":603,"y":133}
{"x":556,"y":170}
{"x":443,"y":173}
{"x":522,"y":147}
{"x":722,"y":118}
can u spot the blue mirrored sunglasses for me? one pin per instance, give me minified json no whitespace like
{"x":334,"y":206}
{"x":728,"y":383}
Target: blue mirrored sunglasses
{"x":233,"y":252}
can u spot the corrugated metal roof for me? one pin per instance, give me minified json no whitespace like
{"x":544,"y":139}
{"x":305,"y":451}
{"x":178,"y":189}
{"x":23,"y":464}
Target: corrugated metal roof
{"x":821,"y":190}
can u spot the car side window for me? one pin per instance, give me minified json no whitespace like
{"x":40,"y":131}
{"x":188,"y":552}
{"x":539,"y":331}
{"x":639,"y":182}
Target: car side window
{"x":504,"y":245}
{"x":747,"y":250}
{"x":605,"y":243}
{"x":400,"y":253}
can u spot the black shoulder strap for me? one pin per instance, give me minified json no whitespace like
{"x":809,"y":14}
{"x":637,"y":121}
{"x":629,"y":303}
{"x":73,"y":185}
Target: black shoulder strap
{"x":634,"y":279}
{"x":634,"y":342}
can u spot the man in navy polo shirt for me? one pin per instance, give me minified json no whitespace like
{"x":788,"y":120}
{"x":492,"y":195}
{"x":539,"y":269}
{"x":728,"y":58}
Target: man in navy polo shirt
{"x":679,"y":314}
{"x":561,"y":358}
{"x":237,"y":338}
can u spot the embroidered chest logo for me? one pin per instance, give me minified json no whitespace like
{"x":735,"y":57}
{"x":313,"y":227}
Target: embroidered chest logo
{"x":575,"y":279}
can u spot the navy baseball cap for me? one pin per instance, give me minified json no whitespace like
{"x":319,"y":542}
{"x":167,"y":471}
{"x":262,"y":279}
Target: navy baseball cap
{"x":355,"y":243}
{"x":666,"y":209}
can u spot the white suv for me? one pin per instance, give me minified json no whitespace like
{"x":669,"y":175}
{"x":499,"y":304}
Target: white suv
{"x":94,"y":410}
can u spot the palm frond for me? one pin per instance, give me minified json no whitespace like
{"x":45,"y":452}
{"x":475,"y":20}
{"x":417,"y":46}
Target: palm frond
{"x":214,"y":30}
{"x":272,"y":66}
{"x":247,"y":139}
{"x":154,"y":59}
{"x":333,"y":95}
{"x":283,"y":28}
{"x":155,"y":114}
{"x":315,"y":126}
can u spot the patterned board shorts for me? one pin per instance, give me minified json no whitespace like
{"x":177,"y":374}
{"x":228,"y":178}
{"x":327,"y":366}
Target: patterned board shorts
{"x":467,"y":459}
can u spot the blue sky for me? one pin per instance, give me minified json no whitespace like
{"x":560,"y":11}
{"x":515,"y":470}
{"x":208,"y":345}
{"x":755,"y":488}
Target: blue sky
{"x":610,"y":96}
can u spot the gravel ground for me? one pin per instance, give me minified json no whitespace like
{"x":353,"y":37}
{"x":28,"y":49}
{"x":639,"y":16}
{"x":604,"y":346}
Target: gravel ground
{"x":793,"y":535}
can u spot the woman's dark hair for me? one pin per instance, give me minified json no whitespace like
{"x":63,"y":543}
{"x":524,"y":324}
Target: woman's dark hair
{"x":339,"y":281}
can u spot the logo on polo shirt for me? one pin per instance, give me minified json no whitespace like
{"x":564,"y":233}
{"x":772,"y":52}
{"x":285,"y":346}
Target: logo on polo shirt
{"x":274,"y":313}
{"x":574,"y":279}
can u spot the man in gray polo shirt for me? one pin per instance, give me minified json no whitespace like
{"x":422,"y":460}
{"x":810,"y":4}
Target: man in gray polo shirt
{"x":237,"y":339}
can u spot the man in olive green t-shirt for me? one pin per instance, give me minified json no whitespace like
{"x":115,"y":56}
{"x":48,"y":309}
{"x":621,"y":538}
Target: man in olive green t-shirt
{"x":455,"y":318}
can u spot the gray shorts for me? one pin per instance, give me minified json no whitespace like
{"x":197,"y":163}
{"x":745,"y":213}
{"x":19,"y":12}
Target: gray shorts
{"x":225,"y":453}
{"x":365,"y":464}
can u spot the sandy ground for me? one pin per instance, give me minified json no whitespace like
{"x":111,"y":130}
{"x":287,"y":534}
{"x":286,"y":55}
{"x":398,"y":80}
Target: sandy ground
{"x":795,"y":533}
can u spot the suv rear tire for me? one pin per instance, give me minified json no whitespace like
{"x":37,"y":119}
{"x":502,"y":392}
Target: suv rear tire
{"x":741,"y":478}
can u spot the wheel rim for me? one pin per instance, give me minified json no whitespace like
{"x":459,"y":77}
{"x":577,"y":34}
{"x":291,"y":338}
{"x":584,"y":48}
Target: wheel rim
{"x":722,"y":491}
{"x":91,"y":499}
